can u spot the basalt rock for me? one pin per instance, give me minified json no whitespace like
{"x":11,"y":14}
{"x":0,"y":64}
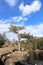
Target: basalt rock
{"x":28,"y":61}
{"x":1,"y":62}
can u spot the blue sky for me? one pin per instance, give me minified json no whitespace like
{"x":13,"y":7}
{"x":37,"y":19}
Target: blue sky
{"x":28,"y":13}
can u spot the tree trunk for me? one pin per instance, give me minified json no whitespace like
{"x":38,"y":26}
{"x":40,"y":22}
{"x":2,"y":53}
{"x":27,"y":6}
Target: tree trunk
{"x":19,"y":42}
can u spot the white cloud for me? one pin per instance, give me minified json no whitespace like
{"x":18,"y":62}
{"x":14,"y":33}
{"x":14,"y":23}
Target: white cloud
{"x":36,"y":5}
{"x":11,"y":36}
{"x":11,"y":2}
{"x":4,"y":21}
{"x":4,"y":28}
{"x":28,"y":9}
{"x":21,"y":7}
{"x":36,"y":30}
{"x":13,"y":20}
{"x":19,"y":19}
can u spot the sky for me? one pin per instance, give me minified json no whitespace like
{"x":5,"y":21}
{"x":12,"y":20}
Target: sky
{"x":28,"y":13}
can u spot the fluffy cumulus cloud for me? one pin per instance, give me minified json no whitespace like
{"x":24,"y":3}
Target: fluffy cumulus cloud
{"x":28,"y":9}
{"x":36,"y":30}
{"x":4,"y":28}
{"x":11,"y":2}
{"x":11,"y":36}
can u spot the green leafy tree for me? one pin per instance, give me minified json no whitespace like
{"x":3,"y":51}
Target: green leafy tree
{"x":40,"y":43}
{"x":2,"y":40}
{"x":28,"y":40}
{"x":16,"y":30}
